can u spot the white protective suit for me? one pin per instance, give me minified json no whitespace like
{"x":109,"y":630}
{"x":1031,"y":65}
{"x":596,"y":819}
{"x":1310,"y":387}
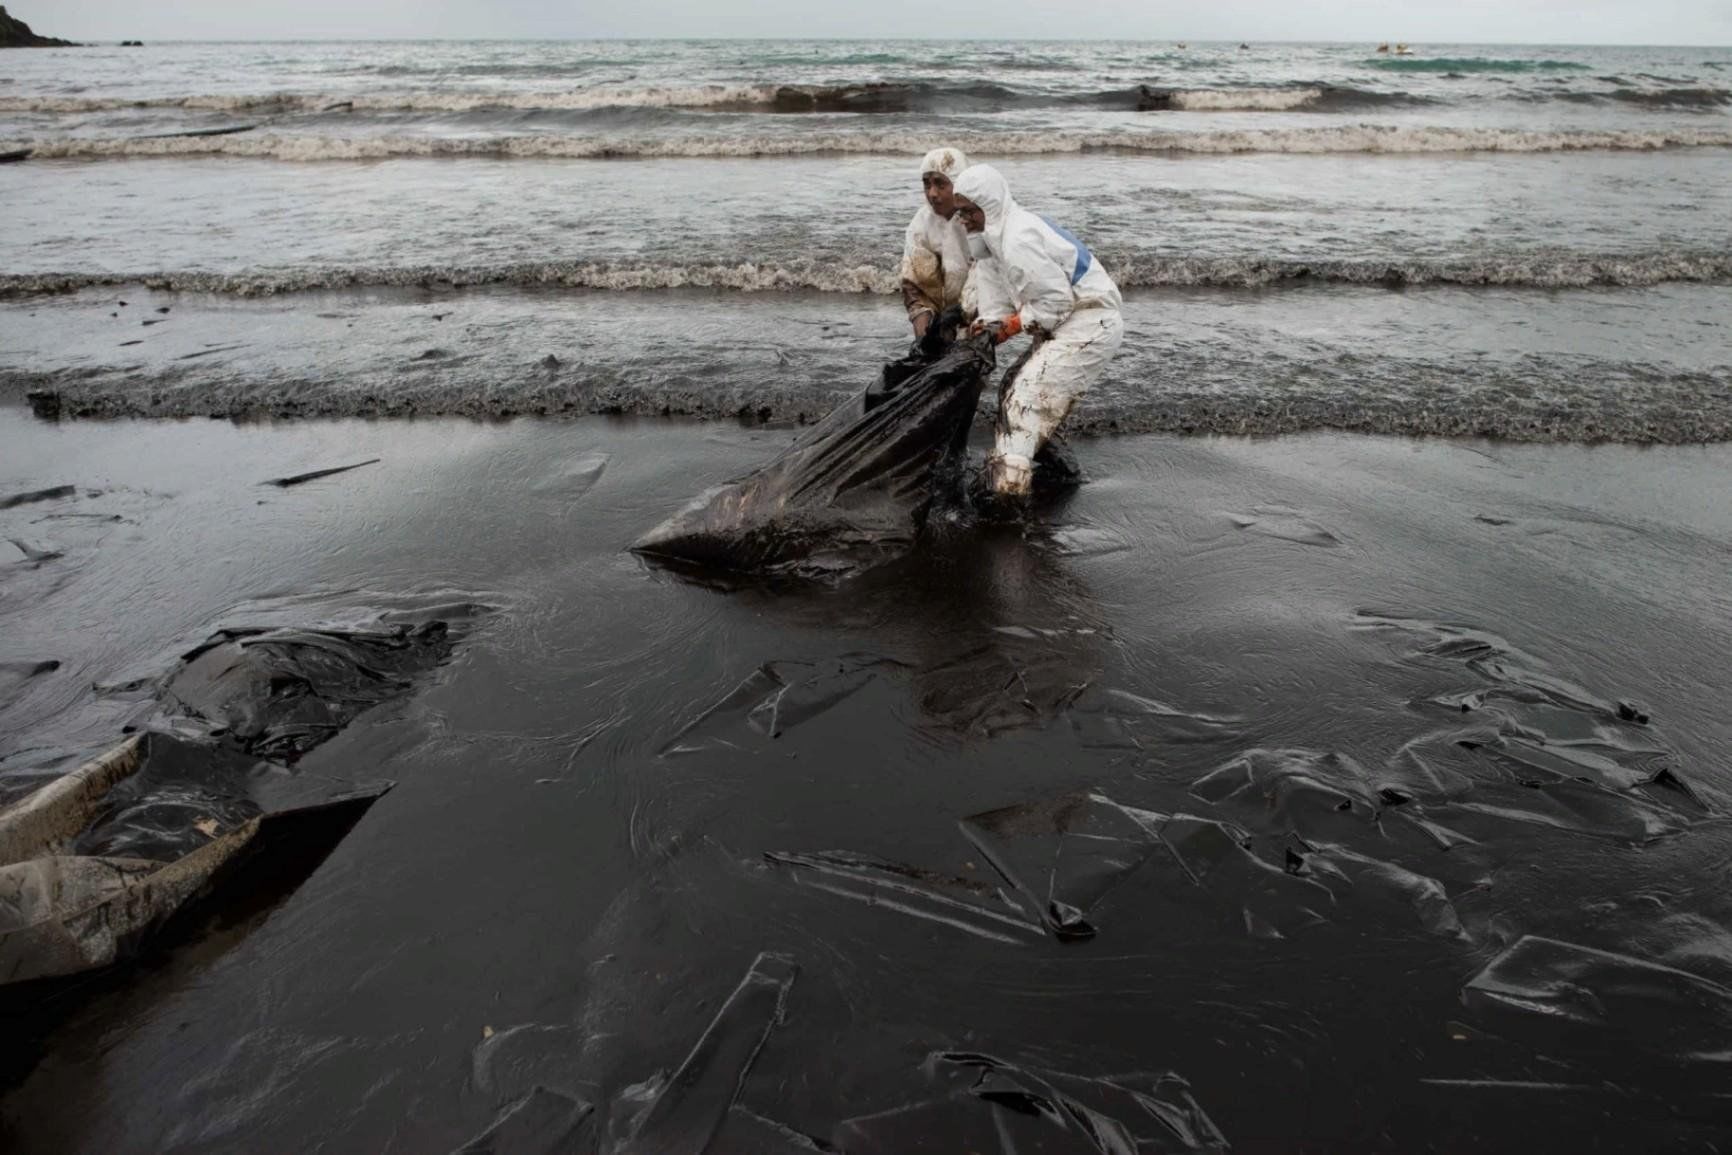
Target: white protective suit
{"x":935,"y":260}
{"x":1051,"y":281}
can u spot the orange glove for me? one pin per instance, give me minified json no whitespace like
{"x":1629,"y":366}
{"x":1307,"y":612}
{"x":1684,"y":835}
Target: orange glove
{"x":1009,"y":329}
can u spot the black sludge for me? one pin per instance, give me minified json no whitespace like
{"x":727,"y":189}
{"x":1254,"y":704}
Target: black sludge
{"x":853,"y":491}
{"x":279,"y":693}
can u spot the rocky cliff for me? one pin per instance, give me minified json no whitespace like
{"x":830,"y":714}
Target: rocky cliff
{"x":15,"y":33}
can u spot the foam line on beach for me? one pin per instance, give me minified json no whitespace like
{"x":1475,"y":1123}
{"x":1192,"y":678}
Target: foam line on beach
{"x":1361,"y":138}
{"x":1585,"y":401}
{"x":1541,"y":270}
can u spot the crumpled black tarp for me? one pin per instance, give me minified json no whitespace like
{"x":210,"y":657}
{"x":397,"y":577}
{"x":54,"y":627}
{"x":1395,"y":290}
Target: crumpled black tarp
{"x":853,"y":491}
{"x":278,"y":693}
{"x":99,"y":859}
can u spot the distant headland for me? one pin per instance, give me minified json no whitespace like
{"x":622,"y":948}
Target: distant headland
{"x":15,"y":33}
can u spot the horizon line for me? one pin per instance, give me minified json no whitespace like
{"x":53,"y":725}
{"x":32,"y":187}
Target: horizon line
{"x":98,"y":43}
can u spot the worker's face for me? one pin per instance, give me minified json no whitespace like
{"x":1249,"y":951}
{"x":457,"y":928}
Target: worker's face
{"x":973,"y":216}
{"x":940,"y":196}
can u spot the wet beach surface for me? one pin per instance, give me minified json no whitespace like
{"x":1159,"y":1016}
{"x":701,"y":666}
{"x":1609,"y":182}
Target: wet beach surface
{"x":1328,"y":792}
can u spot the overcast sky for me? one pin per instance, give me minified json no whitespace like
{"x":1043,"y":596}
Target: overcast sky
{"x":1691,"y":22}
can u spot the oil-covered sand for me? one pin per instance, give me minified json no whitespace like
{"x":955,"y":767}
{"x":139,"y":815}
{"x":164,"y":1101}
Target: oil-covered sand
{"x":1323,"y":793}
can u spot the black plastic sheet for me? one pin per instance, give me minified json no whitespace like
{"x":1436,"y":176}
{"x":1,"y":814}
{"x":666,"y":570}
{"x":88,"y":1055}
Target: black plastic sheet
{"x":853,"y":491}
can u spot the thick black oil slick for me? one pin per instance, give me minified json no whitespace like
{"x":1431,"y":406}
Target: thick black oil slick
{"x":1322,"y":794}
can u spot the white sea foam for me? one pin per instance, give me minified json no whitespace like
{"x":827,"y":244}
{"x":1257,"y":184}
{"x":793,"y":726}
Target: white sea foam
{"x":663,"y":96}
{"x":1247,"y":99}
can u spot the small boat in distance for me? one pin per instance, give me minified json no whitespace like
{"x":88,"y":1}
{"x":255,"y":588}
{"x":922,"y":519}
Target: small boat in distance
{"x":1403,"y":50}
{"x":1383,"y":48}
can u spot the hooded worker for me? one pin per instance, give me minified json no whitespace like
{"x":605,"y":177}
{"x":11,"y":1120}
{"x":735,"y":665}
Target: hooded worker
{"x":1035,"y":277}
{"x":935,"y":261}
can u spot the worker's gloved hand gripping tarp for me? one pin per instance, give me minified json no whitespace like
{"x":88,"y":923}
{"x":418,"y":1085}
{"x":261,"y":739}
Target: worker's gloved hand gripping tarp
{"x":855,"y":489}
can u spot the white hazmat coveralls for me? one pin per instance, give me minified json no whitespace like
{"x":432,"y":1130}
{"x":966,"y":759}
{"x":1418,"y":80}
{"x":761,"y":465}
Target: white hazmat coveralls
{"x":935,"y":260}
{"x":1050,"y":280}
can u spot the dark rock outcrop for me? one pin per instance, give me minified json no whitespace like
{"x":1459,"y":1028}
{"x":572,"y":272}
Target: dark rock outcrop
{"x":14,"y":33}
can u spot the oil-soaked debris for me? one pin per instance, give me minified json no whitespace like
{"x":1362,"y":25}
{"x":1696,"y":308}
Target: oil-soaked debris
{"x":53,"y":493}
{"x":1547,"y":990}
{"x":1066,"y":859}
{"x":775,"y":698}
{"x":1538,"y":748}
{"x":301,"y":478}
{"x":1014,"y":682}
{"x":1066,"y":855}
{"x":690,"y":1107}
{"x":1484,"y":781}
{"x":988,"y":1105}
{"x":98,"y":859}
{"x":278,"y":693}
{"x":684,"y":1111}
{"x":1304,"y":792}
{"x":966,"y":904}
{"x":1372,"y":882}
{"x":36,"y":552}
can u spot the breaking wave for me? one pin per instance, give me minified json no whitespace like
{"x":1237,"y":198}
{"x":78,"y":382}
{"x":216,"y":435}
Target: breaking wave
{"x":1361,"y":138}
{"x":1316,"y":98}
{"x":877,"y":97}
{"x":697,"y":97}
{"x":1471,"y":64}
{"x":1545,"y":270}
{"x":1674,"y":97}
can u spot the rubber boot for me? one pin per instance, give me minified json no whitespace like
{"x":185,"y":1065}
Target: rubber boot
{"x":1011,"y":474}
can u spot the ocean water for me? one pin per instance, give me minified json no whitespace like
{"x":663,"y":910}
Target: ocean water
{"x":228,"y":171}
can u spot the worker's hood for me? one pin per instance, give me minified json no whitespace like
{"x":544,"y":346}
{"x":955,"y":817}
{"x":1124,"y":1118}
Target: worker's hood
{"x":985,"y":186}
{"x":949,"y":161}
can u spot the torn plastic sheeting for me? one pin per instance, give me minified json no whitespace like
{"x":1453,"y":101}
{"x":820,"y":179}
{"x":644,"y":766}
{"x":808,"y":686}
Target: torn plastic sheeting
{"x":994,"y":1106}
{"x":1303,"y":792}
{"x":1268,"y":901}
{"x":1485,"y":785}
{"x":853,"y":491}
{"x":1516,"y":677}
{"x":692,"y":1106}
{"x":1131,"y":713}
{"x":966,"y":905}
{"x":1360,"y":878}
{"x":777,"y":697}
{"x":1540,"y":987}
{"x":279,"y":693}
{"x":1004,"y":686}
{"x":542,"y":1122}
{"x":64,"y":910}
{"x":1067,"y":854}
